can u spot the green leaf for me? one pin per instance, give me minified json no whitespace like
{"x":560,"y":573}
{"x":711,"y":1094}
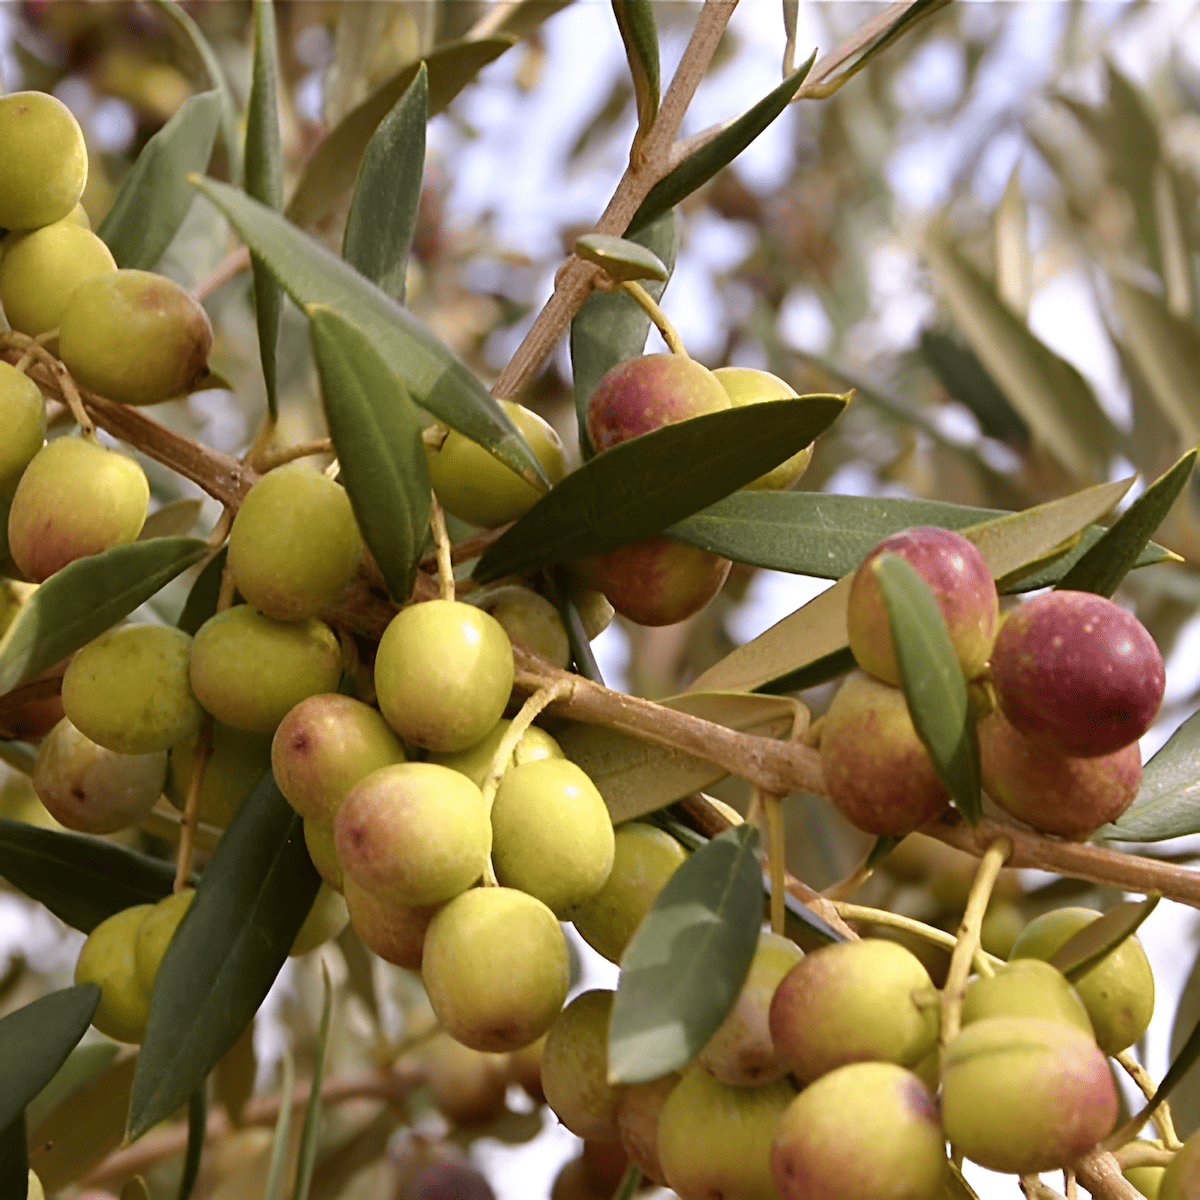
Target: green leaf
{"x":135,"y":1189}
{"x":283,"y":1126}
{"x":35,"y":1041}
{"x":82,"y":880}
{"x":82,"y":1065}
{"x":175,"y":519}
{"x":1165,"y":350}
{"x":1168,"y":802}
{"x":1087,"y":947}
{"x":383,"y":212}
{"x":519,"y":19}
{"x":377,"y":435}
{"x":87,"y":597}
{"x":216,"y":80}
{"x":621,"y":258}
{"x":435,"y":378}
{"x":264,"y":181}
{"x":1058,"y":564}
{"x":960,"y":372}
{"x":577,"y":638}
{"x":637,"y":777}
{"x":635,"y":20}
{"x":819,"y":670}
{"x":14,"y":1159}
{"x":933,"y":681}
{"x":156,"y":196}
{"x":197,"y":1127}
{"x":647,"y":483}
{"x":700,"y":166}
{"x":312,"y":1112}
{"x":202,"y":599}
{"x":1117,"y":551}
{"x":1182,"y":1063}
{"x":251,"y":901}
{"x":234,"y":1077}
{"x":612,"y":326}
{"x":330,"y":173}
{"x":686,"y":964}
{"x":805,"y":644}
{"x":812,"y":533}
{"x":1185,"y":1100}
{"x":1048,"y":392}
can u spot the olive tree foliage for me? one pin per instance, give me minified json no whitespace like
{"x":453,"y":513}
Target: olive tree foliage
{"x":937,"y":216}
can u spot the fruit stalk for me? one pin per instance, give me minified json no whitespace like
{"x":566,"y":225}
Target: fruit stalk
{"x":647,"y":303}
{"x":191,"y":807}
{"x":576,"y":277}
{"x":772,"y":810}
{"x":967,"y":942}
{"x":441,"y":543}
{"x":1161,"y":1116}
{"x":982,"y":962}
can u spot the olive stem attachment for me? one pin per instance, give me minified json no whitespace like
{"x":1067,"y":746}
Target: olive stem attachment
{"x":508,"y":743}
{"x":191,"y":806}
{"x":441,"y":542}
{"x":967,"y":943}
{"x":254,"y":457}
{"x":31,"y":350}
{"x":1163,"y":1121}
{"x":851,"y":883}
{"x":270,"y":459}
{"x":1143,"y":1154}
{"x":528,"y":713}
{"x":1034,"y":1189}
{"x":772,"y":810}
{"x":983,"y":961}
{"x":650,"y":307}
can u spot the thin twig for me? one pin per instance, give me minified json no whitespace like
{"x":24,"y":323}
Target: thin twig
{"x":574,"y":279}
{"x":233,"y":264}
{"x":191,"y":807}
{"x":966,"y":945}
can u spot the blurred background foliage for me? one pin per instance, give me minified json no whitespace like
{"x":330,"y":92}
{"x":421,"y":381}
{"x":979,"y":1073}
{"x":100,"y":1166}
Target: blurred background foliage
{"x":993,"y":233}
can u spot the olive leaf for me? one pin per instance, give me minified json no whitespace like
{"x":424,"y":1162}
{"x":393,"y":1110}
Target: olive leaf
{"x":435,"y":378}
{"x":14,"y":1158}
{"x":215,"y":78}
{"x":383,"y":211}
{"x":701,"y":165}
{"x":643,"y":485}
{"x":635,"y":20}
{"x":197,"y":1127}
{"x":1102,"y":936}
{"x":155,"y":196}
{"x":810,"y":638}
{"x":331,"y":171}
{"x":87,"y":597}
{"x":687,"y":961}
{"x":250,"y":903}
{"x":1168,"y":801}
{"x":933,"y":680}
{"x":264,"y":181}
{"x":376,"y":432}
{"x":1112,"y":556}
{"x":82,"y":880}
{"x":35,"y":1041}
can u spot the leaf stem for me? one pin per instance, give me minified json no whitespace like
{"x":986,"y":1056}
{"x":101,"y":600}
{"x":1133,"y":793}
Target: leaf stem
{"x":191,"y":807}
{"x":967,"y":943}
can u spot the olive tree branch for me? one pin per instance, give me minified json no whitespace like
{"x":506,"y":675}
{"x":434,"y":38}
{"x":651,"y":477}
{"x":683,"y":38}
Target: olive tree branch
{"x":575,"y":277}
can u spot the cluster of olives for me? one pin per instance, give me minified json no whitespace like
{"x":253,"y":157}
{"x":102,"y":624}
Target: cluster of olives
{"x":130,"y":335}
{"x":1076,"y":679}
{"x":826,"y":1080}
{"x":657,"y":581}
